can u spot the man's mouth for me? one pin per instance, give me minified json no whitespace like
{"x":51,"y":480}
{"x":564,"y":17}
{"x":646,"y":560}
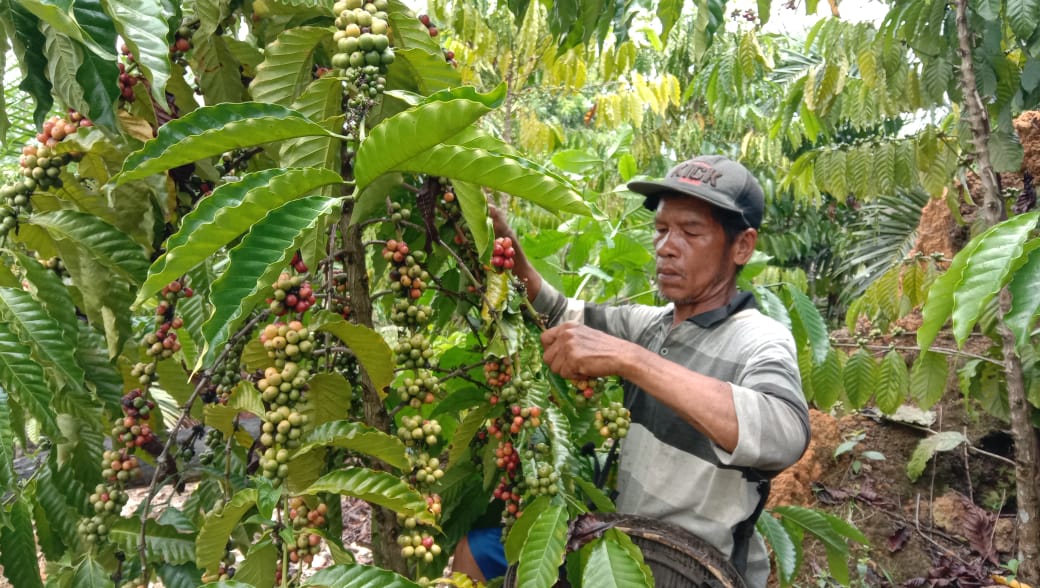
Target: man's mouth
{"x":666,"y":274}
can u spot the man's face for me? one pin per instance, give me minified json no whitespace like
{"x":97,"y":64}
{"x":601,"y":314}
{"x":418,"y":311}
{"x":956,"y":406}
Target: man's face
{"x":695,"y":266}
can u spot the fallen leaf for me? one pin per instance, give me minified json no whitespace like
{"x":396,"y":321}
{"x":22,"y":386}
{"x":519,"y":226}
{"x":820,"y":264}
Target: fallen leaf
{"x":897,"y":540}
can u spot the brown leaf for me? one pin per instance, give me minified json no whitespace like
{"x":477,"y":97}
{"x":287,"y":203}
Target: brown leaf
{"x":897,"y":540}
{"x":978,"y":529}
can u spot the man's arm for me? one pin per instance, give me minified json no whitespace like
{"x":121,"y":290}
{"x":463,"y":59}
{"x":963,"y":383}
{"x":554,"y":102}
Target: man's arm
{"x":577,"y":351}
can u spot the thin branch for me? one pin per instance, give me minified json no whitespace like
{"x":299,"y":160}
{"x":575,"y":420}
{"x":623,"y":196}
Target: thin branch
{"x":942,"y":350}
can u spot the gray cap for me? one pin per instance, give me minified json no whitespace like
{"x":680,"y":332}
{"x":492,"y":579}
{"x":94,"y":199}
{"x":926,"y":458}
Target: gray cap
{"x":715,"y":179}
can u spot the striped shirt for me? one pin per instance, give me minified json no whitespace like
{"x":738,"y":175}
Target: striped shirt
{"x":668,"y":469}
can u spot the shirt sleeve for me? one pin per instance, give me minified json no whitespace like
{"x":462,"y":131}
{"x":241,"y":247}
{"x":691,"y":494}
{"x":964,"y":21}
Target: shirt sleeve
{"x":772,"y":414}
{"x":622,"y":321}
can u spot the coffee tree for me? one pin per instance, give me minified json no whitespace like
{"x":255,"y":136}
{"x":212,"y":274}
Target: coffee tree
{"x":256,"y":254}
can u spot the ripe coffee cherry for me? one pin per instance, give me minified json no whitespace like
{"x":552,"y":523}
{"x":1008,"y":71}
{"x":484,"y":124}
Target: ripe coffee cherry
{"x":502,"y":254}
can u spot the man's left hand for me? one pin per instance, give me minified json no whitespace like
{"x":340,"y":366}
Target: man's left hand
{"x":577,"y":352}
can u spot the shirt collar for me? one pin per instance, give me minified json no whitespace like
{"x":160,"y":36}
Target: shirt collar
{"x":710,"y":318}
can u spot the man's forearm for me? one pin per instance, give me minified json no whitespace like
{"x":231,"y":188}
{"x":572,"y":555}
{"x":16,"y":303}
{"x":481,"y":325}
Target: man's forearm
{"x":705,"y":403}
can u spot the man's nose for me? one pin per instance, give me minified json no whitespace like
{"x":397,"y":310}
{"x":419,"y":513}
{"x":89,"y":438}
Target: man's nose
{"x":664,"y":245}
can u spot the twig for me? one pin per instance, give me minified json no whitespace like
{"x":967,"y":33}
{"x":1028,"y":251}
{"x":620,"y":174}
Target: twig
{"x":942,"y":350}
{"x":161,"y":460}
{"x":917,"y":526}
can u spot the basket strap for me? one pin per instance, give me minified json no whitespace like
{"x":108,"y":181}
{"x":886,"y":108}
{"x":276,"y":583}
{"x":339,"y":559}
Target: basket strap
{"x":745,"y":529}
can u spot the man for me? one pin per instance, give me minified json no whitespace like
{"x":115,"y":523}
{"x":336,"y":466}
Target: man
{"x":712,"y":383}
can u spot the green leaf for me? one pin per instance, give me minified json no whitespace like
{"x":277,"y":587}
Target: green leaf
{"x":465,"y":432}
{"x":427,"y":125}
{"x":379,"y":488}
{"x":329,"y":396}
{"x":44,"y":338}
{"x":928,"y":378}
{"x":104,"y":243}
{"x":8,"y":477}
{"x":220,"y":78}
{"x":940,"y":296}
{"x":358,"y":576}
{"x":807,"y":320}
{"x":142,"y":25}
{"x":57,"y":492}
{"x":1025,"y":298}
{"x":212,"y":130}
{"x":371,"y":350}
{"x":785,"y":550}
{"x":425,"y":69}
{"x":18,"y":547}
{"x":225,"y":214}
{"x":182,"y":576}
{"x":543,"y":552}
{"x":48,"y":288}
{"x":859,"y":378}
{"x":944,"y":441}
{"x":475,"y":212}
{"x":256,"y":261}
{"x":287,"y":66}
{"x":163,"y":543}
{"x":23,"y":379}
{"x":91,"y":574}
{"x":258,"y":567}
{"x":322,"y":101}
{"x":892,"y":382}
{"x":611,"y":566}
{"x":97,"y":76}
{"x":59,"y":14}
{"x":213,"y":536}
{"x":361,"y":438}
{"x":987,"y":268}
{"x":521,"y":529}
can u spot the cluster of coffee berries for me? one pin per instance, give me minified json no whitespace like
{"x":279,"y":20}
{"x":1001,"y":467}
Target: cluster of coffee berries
{"x":120,"y":466}
{"x":130,"y":430}
{"x":588,"y":391}
{"x":285,"y":386}
{"x":287,"y":342}
{"x":214,"y":441}
{"x":181,"y":41}
{"x":282,"y":430}
{"x":416,"y":544}
{"x":304,"y":517}
{"x":541,"y":477}
{"x":107,"y":500}
{"x":425,"y":20}
{"x":407,"y":274}
{"x":520,"y":417}
{"x":144,"y":372}
{"x":510,"y":487}
{"x":426,"y":470}
{"x":613,"y":421}
{"x":42,"y":165}
{"x":291,"y":294}
{"x":14,"y":202}
{"x":502,"y":254}
{"x":415,"y":430}
{"x":57,"y":128}
{"x":414,"y":352}
{"x":498,"y":372}
{"x":422,"y":388}
{"x":94,"y":530}
{"x":128,"y":78}
{"x":227,"y":374}
{"x":362,"y":36}
{"x":163,"y":342}
{"x":340,"y":296}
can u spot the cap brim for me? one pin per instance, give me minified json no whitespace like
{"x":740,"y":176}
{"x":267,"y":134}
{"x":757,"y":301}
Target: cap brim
{"x":654,"y":190}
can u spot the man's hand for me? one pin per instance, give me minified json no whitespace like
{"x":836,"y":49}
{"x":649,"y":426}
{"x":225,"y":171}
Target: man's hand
{"x":576,"y":352}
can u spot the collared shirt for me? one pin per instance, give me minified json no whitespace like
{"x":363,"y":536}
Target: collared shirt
{"x":668,"y":469}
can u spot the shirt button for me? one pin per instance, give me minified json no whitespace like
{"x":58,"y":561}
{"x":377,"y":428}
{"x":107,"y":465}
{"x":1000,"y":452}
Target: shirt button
{"x":664,"y":351}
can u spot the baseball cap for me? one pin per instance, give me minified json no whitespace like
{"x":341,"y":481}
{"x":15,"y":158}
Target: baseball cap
{"x":715,"y":179}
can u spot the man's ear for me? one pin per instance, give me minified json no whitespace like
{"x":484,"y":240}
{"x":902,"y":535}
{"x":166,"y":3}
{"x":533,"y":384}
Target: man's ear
{"x":744,"y":246}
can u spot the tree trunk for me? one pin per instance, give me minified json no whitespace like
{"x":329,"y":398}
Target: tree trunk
{"x":1027,"y":468}
{"x":385,"y":528}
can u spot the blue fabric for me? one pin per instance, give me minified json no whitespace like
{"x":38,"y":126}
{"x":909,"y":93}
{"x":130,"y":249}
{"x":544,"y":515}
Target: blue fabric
{"x":488,"y":551}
